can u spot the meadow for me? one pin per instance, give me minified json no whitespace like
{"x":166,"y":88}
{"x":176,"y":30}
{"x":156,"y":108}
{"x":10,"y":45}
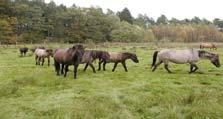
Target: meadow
{"x":28,"y":91}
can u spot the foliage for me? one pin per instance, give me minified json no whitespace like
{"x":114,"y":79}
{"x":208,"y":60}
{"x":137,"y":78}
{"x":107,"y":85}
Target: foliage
{"x":127,"y":33}
{"x":125,"y":15}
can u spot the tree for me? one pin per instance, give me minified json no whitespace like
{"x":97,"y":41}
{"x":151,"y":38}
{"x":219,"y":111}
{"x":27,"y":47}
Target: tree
{"x":125,"y":15}
{"x":162,"y":20}
{"x":196,"y":20}
{"x":219,"y":23}
{"x":144,"y":21}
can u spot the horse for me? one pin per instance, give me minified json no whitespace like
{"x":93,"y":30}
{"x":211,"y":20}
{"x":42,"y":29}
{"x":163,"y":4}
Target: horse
{"x":120,"y":58}
{"x":208,"y":45}
{"x":23,"y":51}
{"x":66,"y":57}
{"x":91,"y":55}
{"x":190,"y":56}
{"x":41,"y":54}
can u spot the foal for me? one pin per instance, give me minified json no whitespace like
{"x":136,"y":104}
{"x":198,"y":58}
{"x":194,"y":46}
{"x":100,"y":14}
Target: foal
{"x":190,"y":56}
{"x":23,"y":51}
{"x":120,"y":58}
{"x":41,"y":54}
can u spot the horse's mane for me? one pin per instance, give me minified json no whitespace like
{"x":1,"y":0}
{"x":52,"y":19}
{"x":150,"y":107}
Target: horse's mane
{"x":128,"y":53}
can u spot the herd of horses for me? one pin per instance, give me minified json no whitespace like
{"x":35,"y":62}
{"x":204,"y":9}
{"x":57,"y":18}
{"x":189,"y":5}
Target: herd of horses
{"x":77,"y":54}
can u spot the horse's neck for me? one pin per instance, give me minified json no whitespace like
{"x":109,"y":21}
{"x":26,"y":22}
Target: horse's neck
{"x":206,"y":55}
{"x":125,"y":57}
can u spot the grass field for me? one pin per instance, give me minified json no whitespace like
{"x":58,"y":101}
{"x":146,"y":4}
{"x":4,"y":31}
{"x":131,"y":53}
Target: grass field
{"x":28,"y":91}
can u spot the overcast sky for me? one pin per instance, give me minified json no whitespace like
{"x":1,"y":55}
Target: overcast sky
{"x":179,"y":9}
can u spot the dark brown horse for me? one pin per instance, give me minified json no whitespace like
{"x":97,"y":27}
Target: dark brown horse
{"x":120,"y":58}
{"x":66,"y":57}
{"x":23,"y":51}
{"x":92,"y":55}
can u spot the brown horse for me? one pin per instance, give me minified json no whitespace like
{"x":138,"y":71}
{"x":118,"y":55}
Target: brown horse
{"x":41,"y":54}
{"x":92,"y":55}
{"x":208,"y":45}
{"x":120,"y":58}
{"x":23,"y":51}
{"x":66,"y":57}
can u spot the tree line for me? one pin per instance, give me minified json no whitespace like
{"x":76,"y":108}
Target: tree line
{"x":33,"y":21}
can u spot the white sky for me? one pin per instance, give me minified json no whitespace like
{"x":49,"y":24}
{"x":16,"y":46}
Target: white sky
{"x":179,"y":9}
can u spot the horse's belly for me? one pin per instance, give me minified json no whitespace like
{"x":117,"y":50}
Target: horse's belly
{"x":177,"y":61}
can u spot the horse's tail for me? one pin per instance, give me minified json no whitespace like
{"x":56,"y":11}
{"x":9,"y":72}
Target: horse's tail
{"x":154,"y":58}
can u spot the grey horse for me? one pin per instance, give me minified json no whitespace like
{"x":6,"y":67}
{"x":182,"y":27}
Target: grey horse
{"x":190,"y":56}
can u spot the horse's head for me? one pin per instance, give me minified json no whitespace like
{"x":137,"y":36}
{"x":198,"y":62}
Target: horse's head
{"x":214,"y":58}
{"x":50,"y":52}
{"x":131,"y":56}
{"x":78,"y":50}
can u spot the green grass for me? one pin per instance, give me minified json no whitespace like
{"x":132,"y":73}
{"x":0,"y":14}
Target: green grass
{"x":29,"y":91}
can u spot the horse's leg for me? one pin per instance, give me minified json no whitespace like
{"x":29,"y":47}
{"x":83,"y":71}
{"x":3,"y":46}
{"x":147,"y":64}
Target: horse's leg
{"x":196,"y":67}
{"x":124,"y":65}
{"x":62,"y":68}
{"x":166,"y":67}
{"x":86,"y":66}
{"x":92,"y":66}
{"x":115,"y":65}
{"x":57,"y":67}
{"x":99,"y":65}
{"x":48,"y":61}
{"x":43,"y":60}
{"x":39,"y":58}
{"x":191,"y":68}
{"x":75,"y":71}
{"x":156,"y":65}
{"x":104,"y":64}
{"x":66,"y":69}
{"x":36,"y":59}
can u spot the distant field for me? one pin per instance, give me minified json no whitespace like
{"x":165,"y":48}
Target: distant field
{"x":28,"y":91}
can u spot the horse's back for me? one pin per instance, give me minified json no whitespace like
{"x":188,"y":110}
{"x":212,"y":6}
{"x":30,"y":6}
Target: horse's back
{"x":113,"y":56}
{"x":39,"y":52}
{"x":179,"y":56}
{"x":60,"y":54}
